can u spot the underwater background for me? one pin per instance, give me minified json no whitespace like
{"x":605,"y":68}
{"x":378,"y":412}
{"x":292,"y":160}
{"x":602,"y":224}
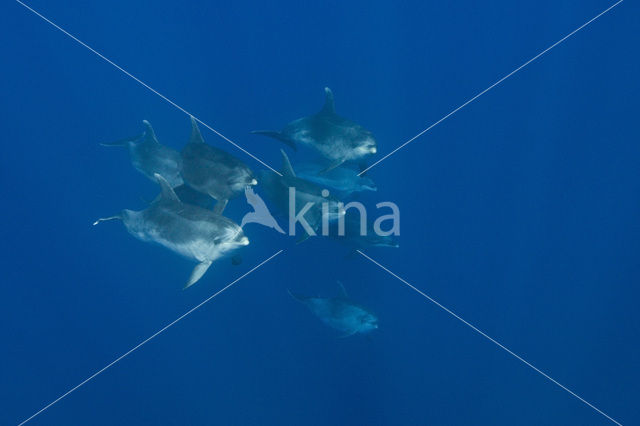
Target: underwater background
{"x":521,"y":213}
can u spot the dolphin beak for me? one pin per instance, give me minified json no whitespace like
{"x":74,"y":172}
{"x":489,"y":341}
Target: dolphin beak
{"x":244,"y":241}
{"x":253,"y":182}
{"x":374,"y":150}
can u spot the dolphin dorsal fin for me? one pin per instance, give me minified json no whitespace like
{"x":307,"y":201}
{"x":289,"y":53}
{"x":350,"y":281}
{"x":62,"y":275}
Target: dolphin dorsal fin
{"x":287,"y":170}
{"x":149,"y":135}
{"x":167,"y":193}
{"x":343,"y":291}
{"x":196,"y":137}
{"x":329,"y":105}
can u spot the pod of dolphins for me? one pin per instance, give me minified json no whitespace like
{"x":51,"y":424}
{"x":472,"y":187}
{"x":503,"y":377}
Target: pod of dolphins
{"x":184,"y":218}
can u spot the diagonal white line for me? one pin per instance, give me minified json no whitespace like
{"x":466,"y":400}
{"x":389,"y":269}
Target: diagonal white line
{"x":145,"y":85}
{"x":145,"y":341}
{"x":490,"y":87}
{"x":492,"y":340}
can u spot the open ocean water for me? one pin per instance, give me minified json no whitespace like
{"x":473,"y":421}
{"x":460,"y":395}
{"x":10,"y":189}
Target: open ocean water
{"x":520,"y":213}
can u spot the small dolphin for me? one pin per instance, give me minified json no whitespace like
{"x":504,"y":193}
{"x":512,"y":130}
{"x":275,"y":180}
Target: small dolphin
{"x":149,"y":156}
{"x":191,"y":231}
{"x":335,"y":138}
{"x":213,"y":171}
{"x":340,"y":313}
{"x":343,"y":180}
{"x":277,"y":189}
{"x":354,"y":239}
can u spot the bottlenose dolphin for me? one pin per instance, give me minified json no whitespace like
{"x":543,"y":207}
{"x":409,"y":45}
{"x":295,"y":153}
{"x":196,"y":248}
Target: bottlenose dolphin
{"x":340,"y":313}
{"x":278,"y":190}
{"x":190,"y":231}
{"x":343,"y":180}
{"x":335,"y":138}
{"x":213,"y":171}
{"x":149,"y":156}
{"x":355,"y":239}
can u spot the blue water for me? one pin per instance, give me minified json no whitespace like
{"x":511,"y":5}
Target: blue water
{"x":520,"y":213}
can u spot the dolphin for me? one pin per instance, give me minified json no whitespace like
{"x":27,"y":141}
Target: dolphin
{"x":277,"y":189}
{"x":190,"y":231}
{"x":213,"y":171}
{"x":336,"y":138}
{"x":343,"y":180}
{"x":340,"y":313}
{"x":149,"y":156}
{"x":355,"y":239}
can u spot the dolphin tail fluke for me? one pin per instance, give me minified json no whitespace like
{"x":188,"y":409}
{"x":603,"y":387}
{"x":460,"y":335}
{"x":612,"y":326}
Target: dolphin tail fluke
{"x":104,"y":219}
{"x":197,"y":273}
{"x":220,"y":205}
{"x":331,"y":167}
{"x":296,"y":296}
{"x":123,"y":142}
{"x":277,"y":135}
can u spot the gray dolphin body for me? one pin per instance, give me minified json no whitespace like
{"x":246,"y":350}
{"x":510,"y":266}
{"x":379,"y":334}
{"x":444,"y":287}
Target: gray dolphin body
{"x":344,"y":181}
{"x":190,"y":231}
{"x":355,"y":239}
{"x":334,"y":137}
{"x":213,"y":171}
{"x":340,"y":313}
{"x":149,"y":156}
{"x":277,"y":189}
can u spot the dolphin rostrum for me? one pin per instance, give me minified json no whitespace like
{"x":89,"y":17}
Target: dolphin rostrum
{"x":340,"y":313}
{"x":336,"y":138}
{"x":188,"y":230}
{"x":213,"y":171}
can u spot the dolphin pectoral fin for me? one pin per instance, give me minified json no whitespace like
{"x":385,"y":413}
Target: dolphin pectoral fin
{"x":197,"y":273}
{"x":104,"y":219}
{"x":350,"y":333}
{"x":167,"y":193}
{"x":220,"y":205}
{"x":331,"y":167}
{"x":277,"y":135}
{"x":287,"y":170}
{"x":343,"y":291}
